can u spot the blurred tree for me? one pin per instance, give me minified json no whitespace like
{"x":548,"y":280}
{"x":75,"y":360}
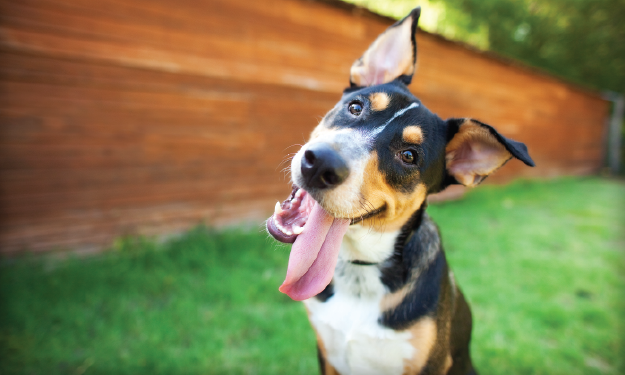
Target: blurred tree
{"x":580,"y":40}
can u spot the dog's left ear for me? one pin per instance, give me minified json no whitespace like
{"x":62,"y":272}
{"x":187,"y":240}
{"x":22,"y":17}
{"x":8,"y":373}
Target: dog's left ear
{"x":475,"y":150}
{"x":393,"y":55}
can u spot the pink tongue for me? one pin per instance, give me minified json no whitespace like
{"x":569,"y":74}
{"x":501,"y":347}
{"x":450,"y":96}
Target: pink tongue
{"x":314,"y":255}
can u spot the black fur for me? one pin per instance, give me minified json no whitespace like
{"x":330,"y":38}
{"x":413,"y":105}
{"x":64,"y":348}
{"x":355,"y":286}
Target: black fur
{"x":326,"y":294}
{"x":430,"y":166}
{"x":394,"y":271}
{"x":422,"y":300}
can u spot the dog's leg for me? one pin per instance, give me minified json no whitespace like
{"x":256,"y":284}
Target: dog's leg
{"x":325,"y":367}
{"x":462,"y":323}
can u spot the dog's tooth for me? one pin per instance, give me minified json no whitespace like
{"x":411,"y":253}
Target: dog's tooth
{"x":281,"y":228}
{"x":284,"y":230}
{"x":297,"y":229}
{"x":278,"y":208}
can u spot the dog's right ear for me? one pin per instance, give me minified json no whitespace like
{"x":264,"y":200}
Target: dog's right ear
{"x":393,"y":55}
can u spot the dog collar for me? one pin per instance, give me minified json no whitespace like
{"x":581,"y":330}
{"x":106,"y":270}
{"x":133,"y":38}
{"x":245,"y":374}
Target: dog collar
{"x":362,"y":263}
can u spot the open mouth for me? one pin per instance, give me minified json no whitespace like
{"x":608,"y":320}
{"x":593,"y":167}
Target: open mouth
{"x":290,"y":216}
{"x":316,"y":237}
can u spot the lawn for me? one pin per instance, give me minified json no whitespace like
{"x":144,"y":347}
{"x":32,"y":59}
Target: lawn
{"x":541,"y":263}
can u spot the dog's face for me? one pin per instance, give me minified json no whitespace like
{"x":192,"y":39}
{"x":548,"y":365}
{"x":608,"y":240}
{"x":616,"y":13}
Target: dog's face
{"x":374,"y":158}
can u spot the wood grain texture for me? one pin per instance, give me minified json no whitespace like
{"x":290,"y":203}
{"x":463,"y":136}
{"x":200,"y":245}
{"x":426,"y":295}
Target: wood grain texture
{"x":150,"y":116}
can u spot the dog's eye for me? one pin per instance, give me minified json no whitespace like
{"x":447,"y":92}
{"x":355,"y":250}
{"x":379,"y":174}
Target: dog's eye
{"x":407,"y":157}
{"x":355,"y":108}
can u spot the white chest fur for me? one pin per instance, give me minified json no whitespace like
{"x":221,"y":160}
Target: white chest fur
{"x":354,"y":341}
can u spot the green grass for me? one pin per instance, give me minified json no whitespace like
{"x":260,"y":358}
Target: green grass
{"x":542,"y":264}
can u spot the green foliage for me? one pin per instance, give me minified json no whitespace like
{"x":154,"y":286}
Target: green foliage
{"x":541,"y":263}
{"x":581,"y":40}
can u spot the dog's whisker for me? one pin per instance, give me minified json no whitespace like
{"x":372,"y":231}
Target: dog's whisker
{"x":287,"y":158}
{"x":294,"y":145}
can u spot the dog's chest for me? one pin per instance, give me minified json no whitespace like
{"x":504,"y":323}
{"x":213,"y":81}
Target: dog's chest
{"x":347,"y":323}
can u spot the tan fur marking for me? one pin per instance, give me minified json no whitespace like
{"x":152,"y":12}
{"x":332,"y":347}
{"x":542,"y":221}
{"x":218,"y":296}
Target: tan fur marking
{"x":392,"y":300}
{"x":413,"y":134}
{"x":399,"y":206}
{"x":448,"y":362}
{"x":423,"y":340}
{"x":379,"y":101}
{"x":480,"y":140}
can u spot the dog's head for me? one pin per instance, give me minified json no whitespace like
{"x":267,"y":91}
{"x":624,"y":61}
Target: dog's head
{"x":374,"y":158}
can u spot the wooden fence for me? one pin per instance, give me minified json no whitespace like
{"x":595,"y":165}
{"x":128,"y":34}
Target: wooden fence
{"x":149,"y":116}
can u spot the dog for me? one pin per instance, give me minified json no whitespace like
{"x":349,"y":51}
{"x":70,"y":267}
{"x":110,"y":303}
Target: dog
{"x":366,"y":258}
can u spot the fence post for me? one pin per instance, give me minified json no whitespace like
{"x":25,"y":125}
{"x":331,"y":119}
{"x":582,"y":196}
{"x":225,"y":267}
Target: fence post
{"x":614,"y":132}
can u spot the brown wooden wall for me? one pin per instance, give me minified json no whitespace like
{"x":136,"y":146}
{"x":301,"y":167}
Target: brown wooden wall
{"x":149,"y":116}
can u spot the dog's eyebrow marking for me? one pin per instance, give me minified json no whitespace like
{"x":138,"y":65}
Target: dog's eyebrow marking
{"x":396,"y":115}
{"x":379,"y":101}
{"x":413,"y":134}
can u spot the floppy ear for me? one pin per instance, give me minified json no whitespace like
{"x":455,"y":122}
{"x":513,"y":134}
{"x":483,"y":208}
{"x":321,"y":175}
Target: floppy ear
{"x":393,"y":55}
{"x":475,"y":150}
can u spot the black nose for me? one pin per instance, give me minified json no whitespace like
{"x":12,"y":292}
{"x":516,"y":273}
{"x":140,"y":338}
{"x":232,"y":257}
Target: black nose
{"x":323,"y":167}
